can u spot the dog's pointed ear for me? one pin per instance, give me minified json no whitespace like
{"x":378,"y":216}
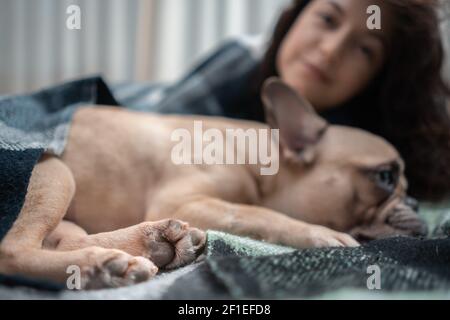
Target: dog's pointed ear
{"x":300,"y":126}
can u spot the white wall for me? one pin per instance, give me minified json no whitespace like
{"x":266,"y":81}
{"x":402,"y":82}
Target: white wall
{"x":184,"y":29}
{"x":125,"y":40}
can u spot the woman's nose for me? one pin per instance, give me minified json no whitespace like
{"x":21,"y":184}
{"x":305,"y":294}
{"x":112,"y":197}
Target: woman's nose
{"x":332,"y":47}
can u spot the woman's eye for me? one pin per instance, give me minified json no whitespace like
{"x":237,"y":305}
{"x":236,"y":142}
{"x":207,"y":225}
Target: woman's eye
{"x":328,"y":19}
{"x":367,"y":51}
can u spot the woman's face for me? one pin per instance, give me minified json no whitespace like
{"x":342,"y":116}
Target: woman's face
{"x":330,"y":55}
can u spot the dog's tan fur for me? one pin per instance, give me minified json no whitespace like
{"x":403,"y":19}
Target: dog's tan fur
{"x":94,"y":207}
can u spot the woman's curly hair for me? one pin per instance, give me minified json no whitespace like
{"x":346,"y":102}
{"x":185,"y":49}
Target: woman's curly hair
{"x":407,"y":102}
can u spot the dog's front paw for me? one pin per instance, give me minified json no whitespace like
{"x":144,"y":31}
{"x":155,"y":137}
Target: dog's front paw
{"x":110,"y":268}
{"x":319,"y":237}
{"x":172,"y":243}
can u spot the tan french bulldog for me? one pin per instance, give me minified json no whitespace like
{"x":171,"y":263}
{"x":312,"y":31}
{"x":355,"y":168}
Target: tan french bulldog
{"x":96,"y":206}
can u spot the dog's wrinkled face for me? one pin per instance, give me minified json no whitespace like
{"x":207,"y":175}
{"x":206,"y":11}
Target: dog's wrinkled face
{"x":340,"y":177}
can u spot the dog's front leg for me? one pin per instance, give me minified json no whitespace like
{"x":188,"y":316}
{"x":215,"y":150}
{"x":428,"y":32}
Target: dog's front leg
{"x":253,"y":221}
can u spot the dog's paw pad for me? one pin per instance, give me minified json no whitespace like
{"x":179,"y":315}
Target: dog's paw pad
{"x":188,"y":248}
{"x":175,"y":230}
{"x":117,"y":270}
{"x":174,"y":243}
{"x":160,"y":252}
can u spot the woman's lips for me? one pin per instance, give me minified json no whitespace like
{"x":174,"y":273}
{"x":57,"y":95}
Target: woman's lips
{"x":316,"y":72}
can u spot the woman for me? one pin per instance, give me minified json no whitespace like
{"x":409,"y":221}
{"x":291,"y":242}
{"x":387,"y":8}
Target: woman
{"x":386,"y":81}
{"x":392,"y":87}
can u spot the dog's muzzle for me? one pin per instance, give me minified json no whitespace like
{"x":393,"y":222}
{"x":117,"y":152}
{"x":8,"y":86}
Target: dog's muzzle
{"x":404,"y":219}
{"x":401,"y":218}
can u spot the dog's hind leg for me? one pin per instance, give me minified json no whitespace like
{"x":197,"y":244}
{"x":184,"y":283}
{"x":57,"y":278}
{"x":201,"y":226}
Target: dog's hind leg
{"x":66,"y":232}
{"x":50,"y":191}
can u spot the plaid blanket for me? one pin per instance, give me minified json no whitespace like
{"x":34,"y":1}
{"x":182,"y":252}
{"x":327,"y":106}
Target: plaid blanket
{"x":404,"y":265}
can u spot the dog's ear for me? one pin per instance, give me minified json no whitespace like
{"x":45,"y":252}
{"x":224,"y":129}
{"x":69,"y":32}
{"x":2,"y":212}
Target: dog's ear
{"x":300,"y":126}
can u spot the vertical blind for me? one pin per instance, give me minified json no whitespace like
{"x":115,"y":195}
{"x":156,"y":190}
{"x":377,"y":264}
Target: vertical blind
{"x":124,"y":40}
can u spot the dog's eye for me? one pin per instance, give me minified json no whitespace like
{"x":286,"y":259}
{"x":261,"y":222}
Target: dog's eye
{"x":386,"y":179}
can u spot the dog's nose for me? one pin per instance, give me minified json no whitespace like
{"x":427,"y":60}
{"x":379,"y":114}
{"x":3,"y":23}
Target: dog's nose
{"x":412,"y":203}
{"x":407,"y":221}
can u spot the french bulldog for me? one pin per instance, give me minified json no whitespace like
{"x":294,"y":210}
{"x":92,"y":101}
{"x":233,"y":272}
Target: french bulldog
{"x":117,"y":206}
